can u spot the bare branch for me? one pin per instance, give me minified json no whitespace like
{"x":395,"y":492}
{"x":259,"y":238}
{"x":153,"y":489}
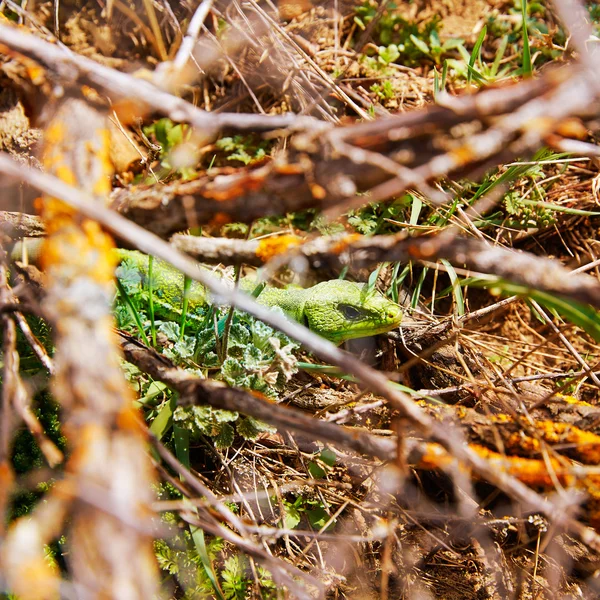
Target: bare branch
{"x":373,"y":380}
{"x":76,"y":69}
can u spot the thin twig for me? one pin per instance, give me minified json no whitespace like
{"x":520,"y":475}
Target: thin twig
{"x":373,"y":380}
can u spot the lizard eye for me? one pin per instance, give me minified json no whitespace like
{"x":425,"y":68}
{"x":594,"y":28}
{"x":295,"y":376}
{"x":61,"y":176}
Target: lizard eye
{"x":350,"y":312}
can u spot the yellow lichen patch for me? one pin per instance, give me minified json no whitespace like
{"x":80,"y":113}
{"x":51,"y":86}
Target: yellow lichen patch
{"x":91,"y":444}
{"x":586,"y":444}
{"x":35,"y":73}
{"x":521,"y":442}
{"x":502,"y":418}
{"x":55,"y":212}
{"x":573,"y":400}
{"x":54,"y":133}
{"x":87,"y":249}
{"x":34,"y":579}
{"x":572,"y":128}
{"x":270,"y":247}
{"x":66,"y":174}
{"x":540,"y":125}
{"x":102,"y":186}
{"x":318,"y":191}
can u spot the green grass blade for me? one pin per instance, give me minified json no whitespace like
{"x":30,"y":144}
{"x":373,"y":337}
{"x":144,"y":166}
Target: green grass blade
{"x":164,"y":419}
{"x":558,"y":208}
{"x":475,"y":54}
{"x":151,"y":299}
{"x":182,"y":451}
{"x":456,"y":289}
{"x":579,"y":314}
{"x":415,"y":209}
{"x":133,"y":311}
{"x":499,"y":56}
{"x":527,"y":66}
{"x":187,"y":283}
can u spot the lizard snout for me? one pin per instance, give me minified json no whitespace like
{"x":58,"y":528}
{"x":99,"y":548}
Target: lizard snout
{"x":394,"y":313}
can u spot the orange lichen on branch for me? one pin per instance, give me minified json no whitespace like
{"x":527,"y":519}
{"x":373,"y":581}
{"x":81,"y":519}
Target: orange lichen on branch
{"x":342,"y":244}
{"x":220,"y":219}
{"x":249,"y":181}
{"x":273,"y":246}
{"x":572,"y":128}
{"x":463,"y":155}
{"x":584,"y":445}
{"x":530,"y":471}
{"x":7,"y":479}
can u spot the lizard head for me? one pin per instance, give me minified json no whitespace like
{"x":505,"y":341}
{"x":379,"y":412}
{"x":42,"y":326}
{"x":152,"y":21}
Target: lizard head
{"x":342,"y":310}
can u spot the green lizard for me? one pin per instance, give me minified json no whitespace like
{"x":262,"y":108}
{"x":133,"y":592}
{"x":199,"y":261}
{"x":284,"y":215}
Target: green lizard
{"x":337,"y":310}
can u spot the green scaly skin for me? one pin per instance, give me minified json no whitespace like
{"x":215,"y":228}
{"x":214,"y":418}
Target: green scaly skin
{"x":336,"y":310}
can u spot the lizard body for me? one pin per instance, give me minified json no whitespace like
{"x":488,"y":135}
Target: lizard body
{"x":337,"y":310}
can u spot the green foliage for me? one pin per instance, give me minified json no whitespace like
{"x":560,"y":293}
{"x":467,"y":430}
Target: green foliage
{"x":27,"y":456}
{"x":525,"y":215}
{"x":246,"y":149}
{"x":402,"y":41}
{"x":317,"y":469}
{"x":179,"y":559}
{"x":170,"y":136}
{"x":378,"y":219}
{"x":385,"y":91}
{"x":243,"y":352}
{"x":311,"y":510}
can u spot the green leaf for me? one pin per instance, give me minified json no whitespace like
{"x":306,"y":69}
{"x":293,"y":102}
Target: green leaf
{"x":316,"y":472}
{"x":170,"y":329}
{"x":225,"y":437}
{"x":134,"y":312}
{"x":291,"y":516}
{"x":130,"y":277}
{"x":373,"y":279}
{"x":415,"y":210}
{"x":232,"y":370}
{"x":317,"y":517}
{"x":250,"y":428}
{"x":175,"y":135}
{"x":434,"y":40}
{"x":420,"y":44}
{"x":253,"y":358}
{"x":161,"y":131}
{"x":389,"y":54}
{"x":328,"y":456}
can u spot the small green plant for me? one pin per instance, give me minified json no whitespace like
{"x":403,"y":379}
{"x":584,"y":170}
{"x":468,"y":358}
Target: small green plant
{"x":399,"y":40}
{"x":308,"y":509}
{"x":173,"y":138}
{"x":434,"y":48}
{"x":246,"y":149}
{"x":377,"y":219}
{"x":229,"y":576}
{"x":385,"y":91}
